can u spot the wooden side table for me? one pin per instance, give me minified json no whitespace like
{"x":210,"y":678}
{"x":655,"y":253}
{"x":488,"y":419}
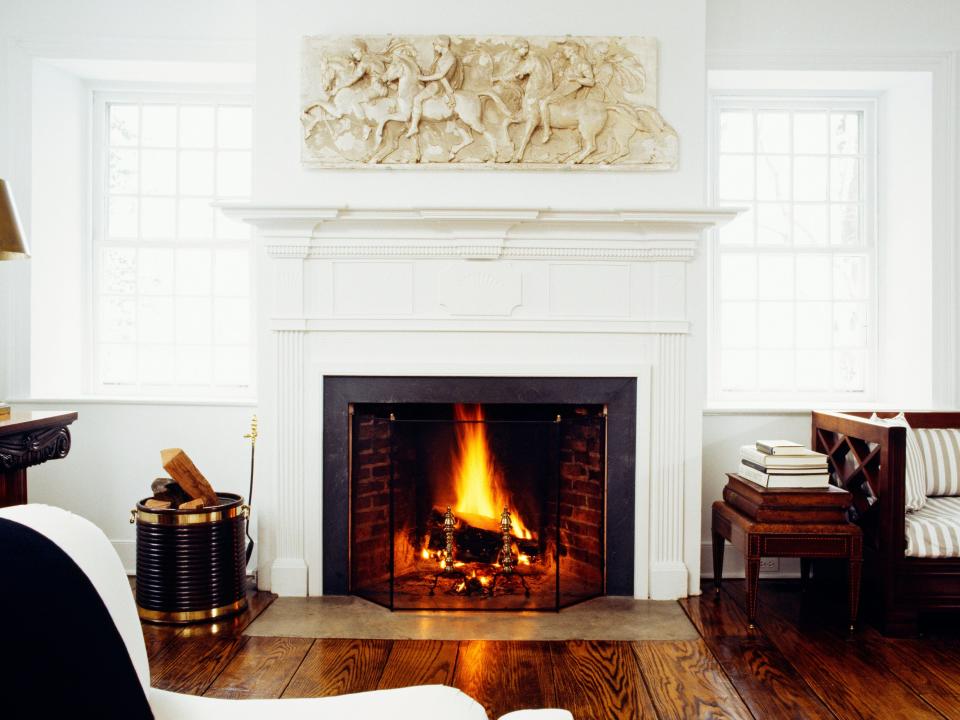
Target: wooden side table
{"x":27,"y":439}
{"x":788,"y":524}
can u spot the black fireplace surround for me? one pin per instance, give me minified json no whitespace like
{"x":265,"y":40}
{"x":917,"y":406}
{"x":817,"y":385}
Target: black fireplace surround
{"x":618,"y":394}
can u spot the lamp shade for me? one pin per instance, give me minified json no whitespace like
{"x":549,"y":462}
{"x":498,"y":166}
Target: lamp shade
{"x":13,"y":242}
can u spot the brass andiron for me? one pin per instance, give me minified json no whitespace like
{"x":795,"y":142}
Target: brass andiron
{"x":506,"y":553}
{"x":449,"y":521}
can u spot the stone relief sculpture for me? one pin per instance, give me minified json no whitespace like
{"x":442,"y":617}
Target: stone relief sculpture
{"x":480,"y":102}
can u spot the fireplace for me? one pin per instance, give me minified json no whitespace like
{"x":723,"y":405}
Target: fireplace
{"x":477,"y":507}
{"x":528,"y":468}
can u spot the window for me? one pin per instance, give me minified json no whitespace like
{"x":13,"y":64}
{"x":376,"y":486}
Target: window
{"x":794,"y":300}
{"x":171,"y":294}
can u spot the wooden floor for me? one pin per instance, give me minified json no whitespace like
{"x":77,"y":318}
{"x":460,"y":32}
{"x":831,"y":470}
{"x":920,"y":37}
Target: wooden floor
{"x":799,"y":663}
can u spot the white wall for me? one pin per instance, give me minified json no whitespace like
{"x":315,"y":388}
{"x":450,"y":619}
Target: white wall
{"x":59,"y":200}
{"x":279,"y":177}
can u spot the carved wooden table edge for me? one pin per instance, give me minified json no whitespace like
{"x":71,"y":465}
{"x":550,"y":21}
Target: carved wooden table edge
{"x":27,"y":439}
{"x":784,"y":538}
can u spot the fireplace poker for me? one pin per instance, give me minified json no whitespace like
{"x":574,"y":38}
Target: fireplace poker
{"x":252,"y":436}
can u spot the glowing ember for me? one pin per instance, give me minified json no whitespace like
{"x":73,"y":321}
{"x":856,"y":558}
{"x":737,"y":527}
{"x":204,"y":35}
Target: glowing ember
{"x":478,"y":483}
{"x":425,"y":554}
{"x":523,"y":559}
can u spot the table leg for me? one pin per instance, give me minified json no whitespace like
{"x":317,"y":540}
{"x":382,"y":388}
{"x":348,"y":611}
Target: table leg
{"x":854,"y":570}
{"x":718,"y":546}
{"x":13,"y":487}
{"x":804,"y":572}
{"x":753,"y":577}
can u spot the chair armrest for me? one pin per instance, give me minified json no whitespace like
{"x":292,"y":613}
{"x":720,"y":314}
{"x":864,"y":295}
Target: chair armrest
{"x":869,"y":460}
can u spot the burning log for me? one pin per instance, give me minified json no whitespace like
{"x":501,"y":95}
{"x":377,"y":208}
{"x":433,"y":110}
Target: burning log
{"x":476,"y":538}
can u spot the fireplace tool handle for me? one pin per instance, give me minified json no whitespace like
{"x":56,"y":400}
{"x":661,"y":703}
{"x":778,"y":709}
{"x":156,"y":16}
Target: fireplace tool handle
{"x":252,"y":436}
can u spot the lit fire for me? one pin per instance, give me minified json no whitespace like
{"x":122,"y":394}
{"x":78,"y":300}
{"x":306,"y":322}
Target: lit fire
{"x":478,"y":483}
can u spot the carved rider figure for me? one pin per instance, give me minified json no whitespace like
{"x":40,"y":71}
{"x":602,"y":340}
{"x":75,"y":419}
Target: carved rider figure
{"x":446,"y":77}
{"x":365,"y":64}
{"x":532,"y":66}
{"x":577,"y":74}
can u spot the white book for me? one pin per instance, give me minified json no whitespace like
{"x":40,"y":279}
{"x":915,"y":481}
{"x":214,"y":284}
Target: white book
{"x":772,"y":480}
{"x":781,"y":447}
{"x":808,"y":459}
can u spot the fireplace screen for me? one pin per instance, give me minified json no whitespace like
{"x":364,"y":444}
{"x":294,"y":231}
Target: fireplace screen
{"x":470,"y":507}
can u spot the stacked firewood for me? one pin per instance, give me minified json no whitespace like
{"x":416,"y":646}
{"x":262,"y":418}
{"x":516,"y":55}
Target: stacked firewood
{"x":477,"y":538}
{"x":185,"y":489}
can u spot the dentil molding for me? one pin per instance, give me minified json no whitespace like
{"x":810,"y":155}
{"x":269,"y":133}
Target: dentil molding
{"x":292,"y":232}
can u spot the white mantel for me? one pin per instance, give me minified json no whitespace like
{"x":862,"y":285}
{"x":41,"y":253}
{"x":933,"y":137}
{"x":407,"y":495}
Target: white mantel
{"x":456,"y":291}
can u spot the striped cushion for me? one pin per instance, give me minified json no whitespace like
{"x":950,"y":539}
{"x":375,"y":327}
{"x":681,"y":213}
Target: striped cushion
{"x":934,"y":532}
{"x":915,"y":490}
{"x":940,"y":448}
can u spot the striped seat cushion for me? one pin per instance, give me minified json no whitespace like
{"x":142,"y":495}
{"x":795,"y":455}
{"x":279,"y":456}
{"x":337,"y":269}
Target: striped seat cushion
{"x":940,"y":449}
{"x":915,"y":489}
{"x":934,"y":531}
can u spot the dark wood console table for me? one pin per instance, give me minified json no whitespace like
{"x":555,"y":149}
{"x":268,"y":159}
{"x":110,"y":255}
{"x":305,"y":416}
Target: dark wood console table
{"x":29,"y":438}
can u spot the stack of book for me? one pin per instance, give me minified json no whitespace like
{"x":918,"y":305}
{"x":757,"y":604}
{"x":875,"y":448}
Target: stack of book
{"x":783,"y":464}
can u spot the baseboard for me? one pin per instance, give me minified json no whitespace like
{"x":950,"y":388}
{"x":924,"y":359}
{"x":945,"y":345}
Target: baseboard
{"x":733,"y":566}
{"x":127,"y":550}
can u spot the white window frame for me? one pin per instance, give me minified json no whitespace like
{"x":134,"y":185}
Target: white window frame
{"x":868,"y":104}
{"x":96,"y":239}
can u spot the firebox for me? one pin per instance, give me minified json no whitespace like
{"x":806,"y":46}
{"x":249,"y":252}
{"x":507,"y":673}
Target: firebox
{"x":477,"y":506}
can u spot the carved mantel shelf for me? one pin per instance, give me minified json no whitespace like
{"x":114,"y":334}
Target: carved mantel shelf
{"x":293,"y":232}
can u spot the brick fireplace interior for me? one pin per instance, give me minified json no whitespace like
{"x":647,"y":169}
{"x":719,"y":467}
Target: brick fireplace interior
{"x":477,"y":507}
{"x":557,"y":454}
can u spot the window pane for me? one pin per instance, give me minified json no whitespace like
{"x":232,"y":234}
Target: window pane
{"x":118,"y":319}
{"x":193,"y":364}
{"x":155,"y":319}
{"x":155,"y":271}
{"x":196,"y":219}
{"x":231,"y":273}
{"x":809,"y":178}
{"x":232,"y":365}
{"x":845,"y":133}
{"x":814,"y":277}
{"x":813,"y":324}
{"x":234,"y":127}
{"x":844,"y":179}
{"x":850,"y":370}
{"x":773,"y":224}
{"x":124,"y":124}
{"x":193,"y":272}
{"x":118,"y":364}
{"x":736,"y":132}
{"x":233,"y":174}
{"x":158,"y":126}
{"x":118,"y":271}
{"x":193,"y":317}
{"x":849,"y":324}
{"x":739,"y":324}
{"x":736,"y":177}
{"x":850,"y":277}
{"x":228,"y":229}
{"x":810,"y":133}
{"x":809,"y":224}
{"x":196,"y":172}
{"x":775,"y":323}
{"x":775,"y":274}
{"x":196,"y":126}
{"x":773,"y":132}
{"x":122,"y":217}
{"x":813,"y":369}
{"x":739,"y":273}
{"x":773,"y":178}
{"x":775,"y":369}
{"x":122,"y":171}
{"x":157,"y":217}
{"x":231,"y":321}
{"x":156,"y":365}
{"x":158,"y":172}
{"x":738,"y":369}
{"x":845,"y":225}
{"x":739,"y":231}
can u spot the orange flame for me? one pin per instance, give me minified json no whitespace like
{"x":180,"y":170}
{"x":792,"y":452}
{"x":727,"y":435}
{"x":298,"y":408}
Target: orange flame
{"x":478,"y":483}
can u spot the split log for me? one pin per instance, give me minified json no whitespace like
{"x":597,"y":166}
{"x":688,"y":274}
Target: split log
{"x":192,"y":505}
{"x":181,"y":468}
{"x":477,"y":538}
{"x":155,"y":504}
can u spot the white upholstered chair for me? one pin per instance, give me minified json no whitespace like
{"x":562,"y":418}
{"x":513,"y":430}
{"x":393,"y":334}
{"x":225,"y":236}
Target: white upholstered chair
{"x":90,"y":549}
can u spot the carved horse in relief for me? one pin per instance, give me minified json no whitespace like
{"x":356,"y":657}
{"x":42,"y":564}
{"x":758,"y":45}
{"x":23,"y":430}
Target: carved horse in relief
{"x":464,"y":110}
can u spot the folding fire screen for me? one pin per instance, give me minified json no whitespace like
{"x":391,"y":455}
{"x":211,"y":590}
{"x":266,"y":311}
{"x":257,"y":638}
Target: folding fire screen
{"x":470,"y":507}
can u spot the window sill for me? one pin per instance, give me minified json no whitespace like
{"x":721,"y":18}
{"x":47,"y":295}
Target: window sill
{"x":109,"y":400}
{"x":797,"y":408}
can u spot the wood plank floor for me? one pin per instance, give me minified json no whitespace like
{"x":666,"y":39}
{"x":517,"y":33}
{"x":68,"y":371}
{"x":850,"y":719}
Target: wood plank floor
{"x":799,"y":662}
